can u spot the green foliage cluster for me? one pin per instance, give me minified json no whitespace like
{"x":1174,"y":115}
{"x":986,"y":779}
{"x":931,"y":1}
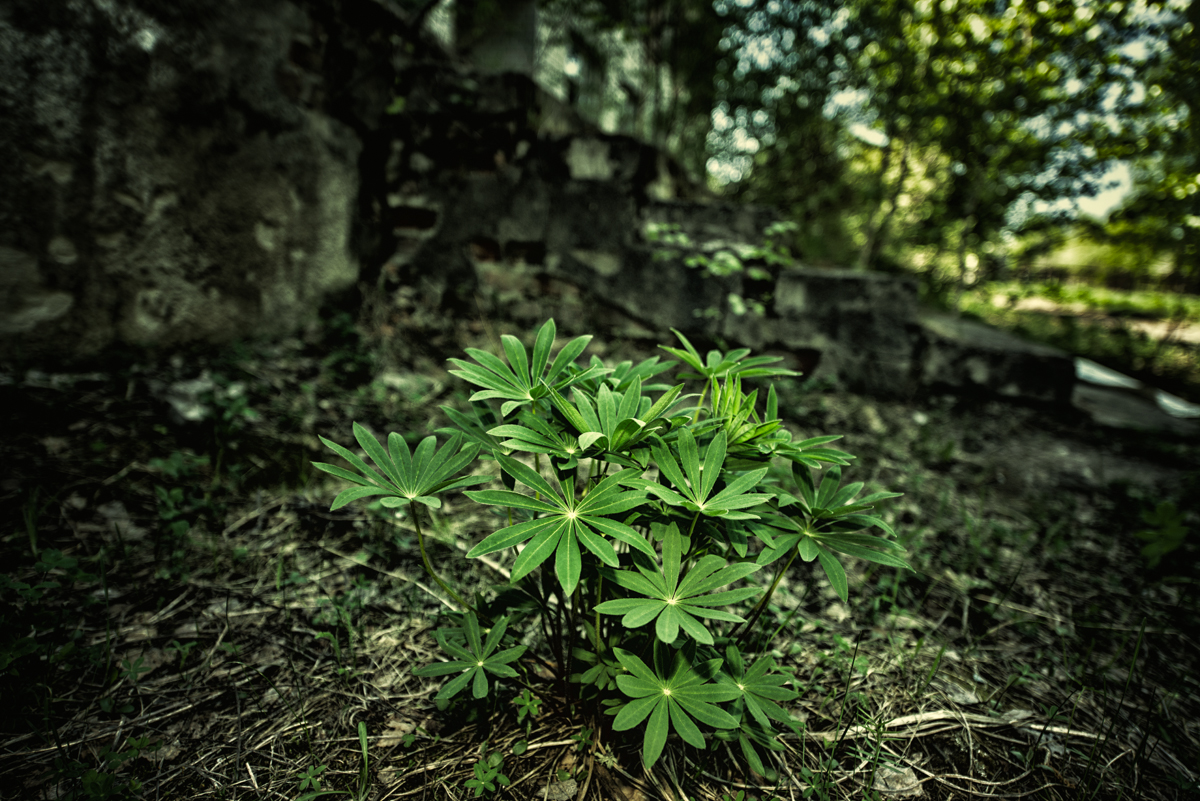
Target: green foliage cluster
{"x":1147,"y":304}
{"x":671,"y":242}
{"x":179,"y":505}
{"x":310,"y":778}
{"x":924,"y":134}
{"x":488,"y":778}
{"x":639,"y":520}
{"x":26,"y":611}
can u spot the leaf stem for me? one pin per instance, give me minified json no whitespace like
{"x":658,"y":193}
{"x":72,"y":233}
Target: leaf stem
{"x":537,"y":467}
{"x":700,"y":403}
{"x":591,"y":476}
{"x":599,"y":598}
{"x":761,"y":606}
{"x":429,"y":567}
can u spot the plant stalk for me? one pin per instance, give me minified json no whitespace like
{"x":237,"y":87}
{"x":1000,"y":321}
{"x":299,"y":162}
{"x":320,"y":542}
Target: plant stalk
{"x":700,"y":403}
{"x":599,"y":598}
{"x":761,"y":606}
{"x":429,"y":567}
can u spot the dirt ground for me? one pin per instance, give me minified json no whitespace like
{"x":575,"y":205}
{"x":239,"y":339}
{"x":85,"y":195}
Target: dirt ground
{"x":183,"y":617}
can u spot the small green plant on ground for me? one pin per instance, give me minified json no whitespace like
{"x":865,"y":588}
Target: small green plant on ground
{"x":178,"y":508}
{"x":37,"y":629}
{"x":1163,"y":534}
{"x":488,"y":777}
{"x":310,"y":777}
{"x":642,"y":520}
{"x":106,"y":779}
{"x":529,"y":706}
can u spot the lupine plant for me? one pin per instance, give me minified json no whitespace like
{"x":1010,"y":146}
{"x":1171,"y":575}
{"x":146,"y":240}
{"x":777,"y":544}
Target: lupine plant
{"x":648,"y":533}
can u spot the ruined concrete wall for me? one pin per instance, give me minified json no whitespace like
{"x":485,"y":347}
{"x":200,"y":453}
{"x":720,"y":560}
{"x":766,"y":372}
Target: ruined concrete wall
{"x":212,"y":169}
{"x":173,"y":171}
{"x":486,"y":169}
{"x":493,"y":189}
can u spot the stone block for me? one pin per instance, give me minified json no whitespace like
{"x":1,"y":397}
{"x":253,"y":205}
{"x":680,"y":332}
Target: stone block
{"x":173,"y":171}
{"x":969,"y":356}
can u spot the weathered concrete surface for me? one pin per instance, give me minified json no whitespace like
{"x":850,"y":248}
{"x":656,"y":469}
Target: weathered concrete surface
{"x":488,"y":170}
{"x":863,"y":325}
{"x":483,"y":196}
{"x":966,"y":355}
{"x":1120,"y":401}
{"x":172,"y":171}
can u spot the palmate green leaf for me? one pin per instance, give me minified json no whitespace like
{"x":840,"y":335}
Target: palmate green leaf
{"x":675,"y":604}
{"x":810,"y":453}
{"x":625,"y":373}
{"x":851,"y":543}
{"x":672,"y":701}
{"x":830,"y":501}
{"x":815,"y":543}
{"x":719,"y":365}
{"x":567,"y":523}
{"x":753,"y":441}
{"x":354,"y":494}
{"x":753,"y":739}
{"x":760,"y":688}
{"x":735,"y":409}
{"x":694,"y":483}
{"x":827,"y":488}
{"x":473,"y":426}
{"x":405,"y":477}
{"x":522,"y":381}
{"x":534,"y":435}
{"x":836,"y":573}
{"x":825,"y":519}
{"x":366,"y":476}
{"x":690,"y":356}
{"x":616,"y":422}
{"x":817,"y":457}
{"x":833,"y":510}
{"x":475,"y":661}
{"x":619,"y":377}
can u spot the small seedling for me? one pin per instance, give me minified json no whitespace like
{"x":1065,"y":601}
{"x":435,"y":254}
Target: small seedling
{"x":310,"y":779}
{"x":133,"y":669}
{"x":488,"y":778}
{"x":583,"y":739}
{"x":528,"y":707}
{"x":1165,"y":532}
{"x":182,"y":650}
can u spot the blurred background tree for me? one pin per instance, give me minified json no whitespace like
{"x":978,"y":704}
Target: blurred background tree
{"x":1161,"y":216}
{"x":928,"y":135}
{"x":958,"y":123}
